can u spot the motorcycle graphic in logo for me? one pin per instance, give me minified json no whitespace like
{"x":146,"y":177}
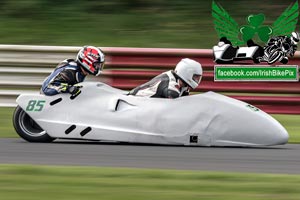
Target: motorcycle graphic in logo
{"x":279,"y":40}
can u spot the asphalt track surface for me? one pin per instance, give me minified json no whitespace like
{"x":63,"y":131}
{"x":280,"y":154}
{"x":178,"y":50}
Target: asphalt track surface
{"x":279,"y":159}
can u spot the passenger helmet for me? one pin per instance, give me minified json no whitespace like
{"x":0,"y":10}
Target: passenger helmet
{"x":189,"y":71}
{"x":295,"y":38}
{"x":91,"y":59}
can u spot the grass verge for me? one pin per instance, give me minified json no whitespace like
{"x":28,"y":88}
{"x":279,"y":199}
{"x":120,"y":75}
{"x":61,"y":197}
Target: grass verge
{"x":290,"y":122}
{"x":53,"y":182}
{"x":6,"y":126}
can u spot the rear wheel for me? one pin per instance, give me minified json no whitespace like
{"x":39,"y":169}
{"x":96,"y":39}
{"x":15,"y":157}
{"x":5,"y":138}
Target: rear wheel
{"x":27,"y":128}
{"x":284,"y":60}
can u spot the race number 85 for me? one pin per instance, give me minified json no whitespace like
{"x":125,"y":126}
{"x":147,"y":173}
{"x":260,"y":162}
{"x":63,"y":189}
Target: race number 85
{"x":34,"y":105}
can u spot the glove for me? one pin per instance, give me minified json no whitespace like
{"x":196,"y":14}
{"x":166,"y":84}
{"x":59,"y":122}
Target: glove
{"x":74,"y":89}
{"x":63,"y":87}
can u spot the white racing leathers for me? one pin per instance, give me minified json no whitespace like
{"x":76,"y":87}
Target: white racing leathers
{"x":164,"y":85}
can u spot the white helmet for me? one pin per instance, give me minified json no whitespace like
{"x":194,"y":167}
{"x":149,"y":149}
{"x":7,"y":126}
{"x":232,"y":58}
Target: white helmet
{"x":189,"y":71}
{"x":295,"y":38}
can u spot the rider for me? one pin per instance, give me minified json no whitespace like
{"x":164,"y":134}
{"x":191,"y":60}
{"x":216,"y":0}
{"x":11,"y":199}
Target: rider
{"x":172,"y":84}
{"x":289,"y":45}
{"x":89,"y":60}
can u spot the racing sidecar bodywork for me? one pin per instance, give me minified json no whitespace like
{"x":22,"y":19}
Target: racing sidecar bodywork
{"x":226,"y":53}
{"x":104,"y":113}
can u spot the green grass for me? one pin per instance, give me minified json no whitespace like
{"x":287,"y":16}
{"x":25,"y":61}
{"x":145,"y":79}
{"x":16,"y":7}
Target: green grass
{"x":290,"y":122}
{"x":52,"y":182}
{"x":292,"y":125}
{"x":6,"y":126}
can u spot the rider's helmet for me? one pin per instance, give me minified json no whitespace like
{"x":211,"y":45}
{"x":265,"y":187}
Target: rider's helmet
{"x":189,"y":71}
{"x":91,"y":59}
{"x":295,"y":38}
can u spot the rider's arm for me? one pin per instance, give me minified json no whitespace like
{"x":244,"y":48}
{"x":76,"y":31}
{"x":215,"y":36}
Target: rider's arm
{"x":67,"y":76}
{"x":170,"y":94}
{"x":276,"y":40}
{"x":61,"y":83}
{"x":170,"y":89}
{"x":272,"y":41}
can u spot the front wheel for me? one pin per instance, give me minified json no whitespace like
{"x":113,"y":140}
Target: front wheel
{"x":27,"y":128}
{"x":274,"y":57}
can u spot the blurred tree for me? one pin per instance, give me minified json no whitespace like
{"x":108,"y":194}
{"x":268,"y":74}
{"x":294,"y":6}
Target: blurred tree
{"x":22,"y":8}
{"x":155,"y":23}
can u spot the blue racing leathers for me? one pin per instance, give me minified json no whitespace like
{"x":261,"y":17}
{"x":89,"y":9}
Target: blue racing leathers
{"x":65,"y":75}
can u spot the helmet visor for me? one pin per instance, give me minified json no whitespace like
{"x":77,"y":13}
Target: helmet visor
{"x":98,"y":67}
{"x":197,"y":78}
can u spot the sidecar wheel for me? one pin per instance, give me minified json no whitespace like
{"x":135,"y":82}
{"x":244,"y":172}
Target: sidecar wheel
{"x":27,"y":128}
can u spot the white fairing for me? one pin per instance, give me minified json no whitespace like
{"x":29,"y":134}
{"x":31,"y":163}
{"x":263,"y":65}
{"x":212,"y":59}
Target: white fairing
{"x":246,"y":52}
{"x":241,"y":53}
{"x":207,"y":119}
{"x":219,"y":51}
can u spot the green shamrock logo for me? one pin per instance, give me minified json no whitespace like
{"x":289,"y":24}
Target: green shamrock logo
{"x":255,"y":26}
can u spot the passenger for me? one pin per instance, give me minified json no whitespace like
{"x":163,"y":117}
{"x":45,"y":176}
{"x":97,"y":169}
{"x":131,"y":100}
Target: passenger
{"x":89,"y":60}
{"x":172,"y":84}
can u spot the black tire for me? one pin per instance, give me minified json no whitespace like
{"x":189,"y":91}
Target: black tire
{"x":284,"y":60}
{"x":27,"y":128}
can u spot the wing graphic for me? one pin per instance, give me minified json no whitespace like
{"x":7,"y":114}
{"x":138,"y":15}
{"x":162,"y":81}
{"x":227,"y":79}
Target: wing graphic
{"x":225,"y":25}
{"x":286,"y":23}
